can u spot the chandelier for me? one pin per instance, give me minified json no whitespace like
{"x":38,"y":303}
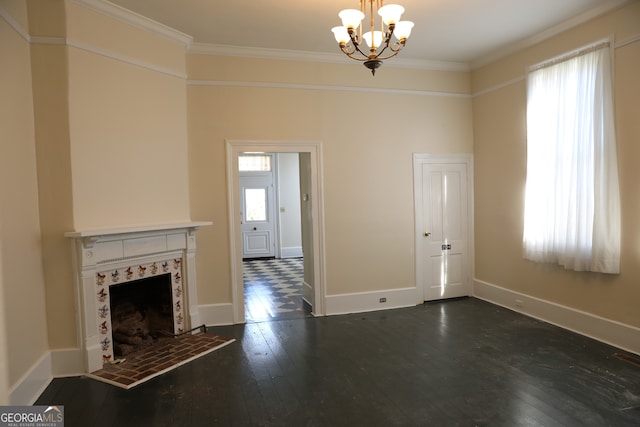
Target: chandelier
{"x":349,"y":36}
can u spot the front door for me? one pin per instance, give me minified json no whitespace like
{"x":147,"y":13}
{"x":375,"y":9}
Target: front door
{"x":257,"y":207}
{"x":442,"y":205}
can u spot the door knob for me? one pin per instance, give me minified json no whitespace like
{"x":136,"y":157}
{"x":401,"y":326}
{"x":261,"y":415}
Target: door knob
{"x":255,"y":228}
{"x":427,"y":234}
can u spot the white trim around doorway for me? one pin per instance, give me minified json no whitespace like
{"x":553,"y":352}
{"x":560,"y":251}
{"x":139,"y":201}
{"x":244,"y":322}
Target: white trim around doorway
{"x":314,"y":148}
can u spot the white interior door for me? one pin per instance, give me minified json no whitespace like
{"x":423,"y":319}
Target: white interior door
{"x":257,"y":208}
{"x":443,"y":222}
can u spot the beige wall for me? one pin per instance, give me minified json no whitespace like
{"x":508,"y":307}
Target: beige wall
{"x":4,"y":353}
{"x":50,"y":103}
{"x":127,"y":124}
{"x":368,"y":138}
{"x":500,"y":150}
{"x":128,"y":143}
{"x":111,"y":134}
{"x":23,"y":334}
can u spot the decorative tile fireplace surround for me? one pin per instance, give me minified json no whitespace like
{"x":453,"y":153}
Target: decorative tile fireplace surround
{"x":108,"y":257}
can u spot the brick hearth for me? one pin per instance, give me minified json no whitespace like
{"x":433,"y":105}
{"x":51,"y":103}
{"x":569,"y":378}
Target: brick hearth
{"x":166,"y":354}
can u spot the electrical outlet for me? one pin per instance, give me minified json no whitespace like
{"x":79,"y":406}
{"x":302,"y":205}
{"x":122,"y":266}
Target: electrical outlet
{"x":383,"y":300}
{"x":519,"y":303}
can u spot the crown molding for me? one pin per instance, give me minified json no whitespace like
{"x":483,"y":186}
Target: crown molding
{"x":61,"y":41}
{"x":633,"y":39}
{"x":550,"y":32}
{"x":125,"y":59}
{"x":125,"y":15}
{"x":616,"y":45}
{"x":112,"y":10}
{"x":14,"y":24}
{"x":297,"y":55}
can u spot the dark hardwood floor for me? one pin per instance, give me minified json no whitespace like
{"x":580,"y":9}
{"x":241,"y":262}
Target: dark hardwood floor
{"x":455,"y":363}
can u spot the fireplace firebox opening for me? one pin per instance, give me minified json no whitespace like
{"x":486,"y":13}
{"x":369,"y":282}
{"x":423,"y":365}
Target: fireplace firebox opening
{"x":141,"y":313}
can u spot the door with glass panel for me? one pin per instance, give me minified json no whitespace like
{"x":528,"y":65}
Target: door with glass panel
{"x":257,"y":207}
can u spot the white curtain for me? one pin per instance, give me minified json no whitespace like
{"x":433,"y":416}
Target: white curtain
{"x":572,"y":201}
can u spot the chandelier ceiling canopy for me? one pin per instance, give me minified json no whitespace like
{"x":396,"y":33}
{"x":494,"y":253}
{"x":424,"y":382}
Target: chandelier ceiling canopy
{"x":381,"y":44}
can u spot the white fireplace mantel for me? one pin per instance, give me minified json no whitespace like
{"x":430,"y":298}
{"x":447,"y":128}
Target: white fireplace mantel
{"x":136,"y":229}
{"x":100,"y":250}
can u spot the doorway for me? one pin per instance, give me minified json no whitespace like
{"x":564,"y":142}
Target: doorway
{"x":444,"y":225}
{"x":310,"y":156}
{"x":273,"y":267}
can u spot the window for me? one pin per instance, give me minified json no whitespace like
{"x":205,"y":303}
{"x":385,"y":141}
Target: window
{"x":254,"y":163}
{"x":255,"y":204}
{"x":572,"y":199}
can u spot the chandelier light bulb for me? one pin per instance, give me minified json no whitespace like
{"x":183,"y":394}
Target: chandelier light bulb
{"x":341,"y":34}
{"x":377,"y":39}
{"x":391,"y":13}
{"x":403,"y":30}
{"x":351,"y":18}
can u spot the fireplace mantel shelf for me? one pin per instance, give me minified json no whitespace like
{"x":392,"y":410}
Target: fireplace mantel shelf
{"x":137,"y":229}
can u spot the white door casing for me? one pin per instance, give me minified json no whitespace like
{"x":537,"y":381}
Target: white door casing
{"x":444,"y":225}
{"x":315,"y":252}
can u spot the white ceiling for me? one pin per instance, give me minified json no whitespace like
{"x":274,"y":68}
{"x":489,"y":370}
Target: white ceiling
{"x":462,"y":31}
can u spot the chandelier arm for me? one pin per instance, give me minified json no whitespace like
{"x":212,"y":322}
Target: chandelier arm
{"x":356,"y":45}
{"x":385,"y":43}
{"x":355,"y":58}
{"x":387,"y":57}
{"x":395,"y":49}
{"x":348,"y":51}
{"x":396,"y":46}
{"x":382,"y":51}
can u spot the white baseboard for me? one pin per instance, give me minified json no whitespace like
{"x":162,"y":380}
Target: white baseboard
{"x":609,"y":331}
{"x":67,"y":362}
{"x":370,"y":301}
{"x":216,"y":314}
{"x":28,"y":388}
{"x":291,"y":252}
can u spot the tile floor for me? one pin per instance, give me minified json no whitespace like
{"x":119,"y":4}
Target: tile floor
{"x":273,"y":289}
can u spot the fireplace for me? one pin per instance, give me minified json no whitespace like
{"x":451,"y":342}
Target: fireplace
{"x":133,"y":286}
